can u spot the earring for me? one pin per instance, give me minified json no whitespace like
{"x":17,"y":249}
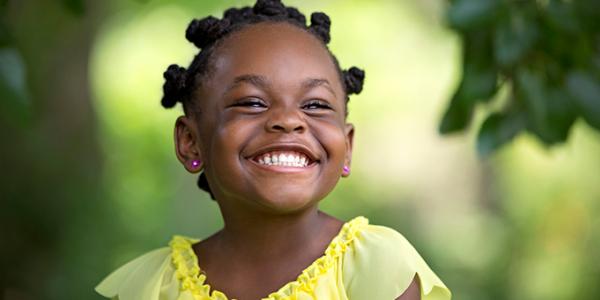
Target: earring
{"x":346,"y":171}
{"x":196,"y":163}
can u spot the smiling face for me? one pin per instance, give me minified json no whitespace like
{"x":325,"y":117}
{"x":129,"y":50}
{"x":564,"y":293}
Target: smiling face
{"x":271,"y":131}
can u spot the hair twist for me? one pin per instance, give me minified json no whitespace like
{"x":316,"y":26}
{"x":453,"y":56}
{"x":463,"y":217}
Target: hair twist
{"x":174,"y":86}
{"x":238,"y":15}
{"x":320,"y":25}
{"x":206,"y":31}
{"x":354,"y":79}
{"x":269,"y":8}
{"x":294,"y":14}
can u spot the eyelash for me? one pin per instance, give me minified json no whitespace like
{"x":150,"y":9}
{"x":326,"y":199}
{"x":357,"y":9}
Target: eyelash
{"x":317,"y":104}
{"x":251,"y":102}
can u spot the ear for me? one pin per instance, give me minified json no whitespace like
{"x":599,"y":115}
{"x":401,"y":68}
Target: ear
{"x":187,"y":146}
{"x":349,"y":130}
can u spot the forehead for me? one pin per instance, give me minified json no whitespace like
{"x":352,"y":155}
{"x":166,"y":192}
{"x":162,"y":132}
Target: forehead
{"x":281,"y":52}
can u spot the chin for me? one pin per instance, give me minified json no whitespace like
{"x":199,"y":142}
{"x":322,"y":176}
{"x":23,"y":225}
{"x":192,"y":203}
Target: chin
{"x":287,"y":200}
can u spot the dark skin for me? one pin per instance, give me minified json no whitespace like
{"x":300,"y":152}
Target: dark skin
{"x":273,"y":87}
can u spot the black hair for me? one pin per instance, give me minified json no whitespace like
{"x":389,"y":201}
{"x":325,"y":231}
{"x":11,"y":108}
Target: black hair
{"x":208,"y":33}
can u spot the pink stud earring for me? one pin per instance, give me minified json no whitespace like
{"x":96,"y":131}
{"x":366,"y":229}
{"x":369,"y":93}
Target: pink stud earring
{"x":346,"y":171}
{"x":195,"y":163}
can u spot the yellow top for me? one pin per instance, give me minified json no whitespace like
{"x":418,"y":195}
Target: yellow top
{"x":363,"y":262}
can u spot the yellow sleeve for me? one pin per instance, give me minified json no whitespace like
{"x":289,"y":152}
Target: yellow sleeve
{"x":381,"y":263}
{"x":139,"y":279}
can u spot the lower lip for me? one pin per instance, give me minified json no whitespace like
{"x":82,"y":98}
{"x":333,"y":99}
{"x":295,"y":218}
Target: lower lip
{"x":283,"y":169}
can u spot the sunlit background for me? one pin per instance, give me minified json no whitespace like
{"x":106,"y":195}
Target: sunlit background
{"x":90,"y":179}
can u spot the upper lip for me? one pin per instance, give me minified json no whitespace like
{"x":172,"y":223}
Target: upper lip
{"x":285,"y":147}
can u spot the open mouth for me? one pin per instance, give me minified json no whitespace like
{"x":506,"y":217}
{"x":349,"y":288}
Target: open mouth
{"x":284,"y":159}
{"x":289,"y":156}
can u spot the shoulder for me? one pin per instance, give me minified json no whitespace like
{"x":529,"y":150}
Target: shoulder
{"x":140,"y":278}
{"x":381,"y":260}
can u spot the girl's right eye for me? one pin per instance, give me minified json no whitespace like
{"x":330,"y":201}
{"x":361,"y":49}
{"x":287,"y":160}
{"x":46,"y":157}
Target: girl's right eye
{"x":250,"y":102}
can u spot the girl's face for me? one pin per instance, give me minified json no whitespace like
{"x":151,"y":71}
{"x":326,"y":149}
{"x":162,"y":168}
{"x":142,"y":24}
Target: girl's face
{"x":273,"y":94}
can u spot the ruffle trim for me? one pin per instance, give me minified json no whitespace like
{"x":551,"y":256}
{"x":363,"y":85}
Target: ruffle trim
{"x":189,"y":274}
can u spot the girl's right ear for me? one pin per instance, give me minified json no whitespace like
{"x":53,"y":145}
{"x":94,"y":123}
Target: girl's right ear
{"x":187,"y":144}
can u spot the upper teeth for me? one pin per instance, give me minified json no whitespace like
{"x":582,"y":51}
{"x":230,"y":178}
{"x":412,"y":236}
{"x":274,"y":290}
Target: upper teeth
{"x":288,"y":159}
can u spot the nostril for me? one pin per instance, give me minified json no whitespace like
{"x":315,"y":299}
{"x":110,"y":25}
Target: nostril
{"x":282,"y":128}
{"x":278,"y":128}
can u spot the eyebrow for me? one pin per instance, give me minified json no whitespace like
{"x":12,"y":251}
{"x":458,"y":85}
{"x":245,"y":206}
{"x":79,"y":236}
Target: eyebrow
{"x":315,"y":82}
{"x":262,"y":83}
{"x":255,"y":80}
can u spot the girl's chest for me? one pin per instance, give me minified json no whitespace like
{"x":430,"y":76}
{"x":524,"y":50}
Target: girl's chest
{"x":251,"y":281}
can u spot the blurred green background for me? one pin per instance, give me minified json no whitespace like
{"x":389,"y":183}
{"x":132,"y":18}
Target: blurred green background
{"x":90,"y":179}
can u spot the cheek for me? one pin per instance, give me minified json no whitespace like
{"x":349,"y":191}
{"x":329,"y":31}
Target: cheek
{"x":231,"y":137}
{"x":332,"y":138}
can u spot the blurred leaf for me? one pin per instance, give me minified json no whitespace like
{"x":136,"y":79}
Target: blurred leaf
{"x":550,"y":112}
{"x":5,"y":36}
{"x":77,"y":7}
{"x":531,"y":89}
{"x":588,"y":11}
{"x":561,"y":15}
{"x":457,"y":116}
{"x":15,"y":98}
{"x":585,"y":90}
{"x":497,"y":130}
{"x":561,"y":114}
{"x":468,"y":14}
{"x":534,"y":46}
{"x":478,"y":82}
{"x":514,"y":37}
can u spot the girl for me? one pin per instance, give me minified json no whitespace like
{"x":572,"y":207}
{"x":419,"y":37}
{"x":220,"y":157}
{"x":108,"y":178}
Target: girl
{"x":265,"y":125}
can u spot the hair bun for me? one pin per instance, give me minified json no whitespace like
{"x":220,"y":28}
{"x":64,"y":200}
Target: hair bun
{"x":174,"y":86}
{"x":354,"y":79}
{"x":237,"y":15}
{"x":205,"y":31}
{"x":320,"y":25}
{"x":294,"y":14}
{"x":269,"y":8}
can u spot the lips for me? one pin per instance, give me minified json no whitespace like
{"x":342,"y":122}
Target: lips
{"x":284,"y":155}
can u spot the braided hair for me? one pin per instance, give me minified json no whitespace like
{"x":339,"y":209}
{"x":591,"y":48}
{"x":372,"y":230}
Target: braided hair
{"x":208,"y":33}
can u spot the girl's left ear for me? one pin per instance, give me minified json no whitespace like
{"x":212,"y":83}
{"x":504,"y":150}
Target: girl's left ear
{"x":349,"y":130}
{"x":187,"y":145}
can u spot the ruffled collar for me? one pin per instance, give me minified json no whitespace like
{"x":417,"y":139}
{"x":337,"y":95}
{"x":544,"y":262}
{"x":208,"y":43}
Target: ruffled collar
{"x":189,"y":274}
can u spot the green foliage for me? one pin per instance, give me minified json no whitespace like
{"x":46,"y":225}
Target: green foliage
{"x":76,"y":7}
{"x":548,"y":55}
{"x":16,"y":102}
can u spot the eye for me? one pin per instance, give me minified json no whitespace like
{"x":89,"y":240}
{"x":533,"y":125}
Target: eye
{"x":250,"y":103}
{"x":317,"y":104}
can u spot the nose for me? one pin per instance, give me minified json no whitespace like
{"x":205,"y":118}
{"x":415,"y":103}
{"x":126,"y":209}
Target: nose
{"x":285,"y":120}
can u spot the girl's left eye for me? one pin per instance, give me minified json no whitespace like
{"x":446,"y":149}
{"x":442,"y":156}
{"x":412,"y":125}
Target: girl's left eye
{"x":317,"y":104}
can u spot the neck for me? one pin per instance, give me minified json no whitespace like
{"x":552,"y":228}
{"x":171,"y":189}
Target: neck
{"x":264,"y":236}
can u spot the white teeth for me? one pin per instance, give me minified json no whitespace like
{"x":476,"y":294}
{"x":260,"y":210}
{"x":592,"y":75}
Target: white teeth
{"x":293,"y":159}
